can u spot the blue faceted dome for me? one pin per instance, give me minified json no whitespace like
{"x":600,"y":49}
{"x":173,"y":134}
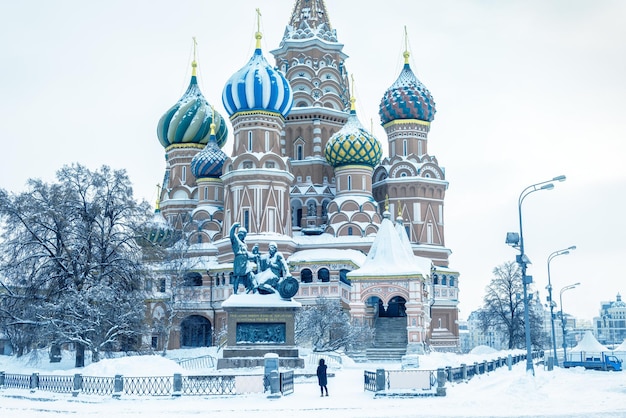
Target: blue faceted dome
{"x":407,"y":98}
{"x":257,"y":86}
{"x":209,"y":161}
{"x":352,"y":144}
{"x":189,"y":120}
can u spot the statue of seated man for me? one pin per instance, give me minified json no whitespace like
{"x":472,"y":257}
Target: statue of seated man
{"x":272,"y":269}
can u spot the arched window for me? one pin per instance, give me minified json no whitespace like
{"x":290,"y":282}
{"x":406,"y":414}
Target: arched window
{"x":299,"y":152}
{"x":343,"y":276}
{"x":250,"y":141}
{"x":404,"y":148}
{"x":323,"y":275}
{"x":349,"y":183}
{"x":192,"y":278}
{"x":451,"y":281}
{"x":195,"y":331}
{"x":306,"y":276}
{"x":350,"y":230}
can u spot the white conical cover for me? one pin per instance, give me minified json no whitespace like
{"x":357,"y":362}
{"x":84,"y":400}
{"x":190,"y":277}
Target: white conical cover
{"x":589,"y":344}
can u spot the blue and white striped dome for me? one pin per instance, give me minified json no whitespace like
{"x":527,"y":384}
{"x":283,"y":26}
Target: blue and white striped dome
{"x":257,"y":86}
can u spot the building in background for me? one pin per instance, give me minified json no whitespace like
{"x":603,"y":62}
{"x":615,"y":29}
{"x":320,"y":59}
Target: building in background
{"x":610,"y":326}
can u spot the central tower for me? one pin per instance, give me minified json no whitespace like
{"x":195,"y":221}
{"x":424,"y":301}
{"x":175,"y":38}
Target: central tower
{"x":313,"y":61}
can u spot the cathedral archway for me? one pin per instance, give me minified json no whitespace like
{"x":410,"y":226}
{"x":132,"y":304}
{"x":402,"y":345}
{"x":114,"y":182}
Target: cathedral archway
{"x":395,"y":307}
{"x":195,"y":331}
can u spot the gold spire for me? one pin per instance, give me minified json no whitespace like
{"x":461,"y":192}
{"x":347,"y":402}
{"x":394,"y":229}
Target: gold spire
{"x":212,"y":121}
{"x":406,"y":53}
{"x":158,"y":199}
{"x":194,"y":63}
{"x":352,"y":98}
{"x":400,"y":209}
{"x":258,"y":35}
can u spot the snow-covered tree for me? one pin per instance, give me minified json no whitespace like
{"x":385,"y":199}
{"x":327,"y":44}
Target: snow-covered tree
{"x":70,"y":258}
{"x":327,"y":327}
{"x":503,"y":309}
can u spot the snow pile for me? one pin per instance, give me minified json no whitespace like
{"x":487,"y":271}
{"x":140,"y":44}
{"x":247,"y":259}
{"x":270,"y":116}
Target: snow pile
{"x":483,"y":349}
{"x":136,"y":366}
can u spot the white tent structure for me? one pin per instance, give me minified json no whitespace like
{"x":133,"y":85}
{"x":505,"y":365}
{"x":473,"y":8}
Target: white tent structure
{"x":589,"y":344}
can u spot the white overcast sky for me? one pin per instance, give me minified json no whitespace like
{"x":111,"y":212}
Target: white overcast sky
{"x":525,"y":91}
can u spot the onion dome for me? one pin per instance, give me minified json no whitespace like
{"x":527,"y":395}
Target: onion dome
{"x":257,"y":87}
{"x":189,"y":120}
{"x":157,"y":230}
{"x":407,"y":98}
{"x":209,"y":161}
{"x":352,"y":144}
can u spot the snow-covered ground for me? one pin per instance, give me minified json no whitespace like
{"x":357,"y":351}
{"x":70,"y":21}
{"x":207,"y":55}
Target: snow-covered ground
{"x":502,"y":393}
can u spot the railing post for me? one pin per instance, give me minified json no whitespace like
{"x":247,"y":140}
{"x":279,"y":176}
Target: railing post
{"x":78,"y":384}
{"x":34,"y":381}
{"x":449,"y":373}
{"x":118,"y":386}
{"x":476,"y":369}
{"x":485,"y":369}
{"x":509,"y":361}
{"x":464,"y":371}
{"x":441,"y":382}
{"x":178,"y":385}
{"x":1,"y":380}
{"x":380,"y":380}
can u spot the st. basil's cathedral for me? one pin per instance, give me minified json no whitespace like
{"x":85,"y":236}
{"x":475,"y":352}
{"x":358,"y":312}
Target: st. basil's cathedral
{"x":304,"y":173}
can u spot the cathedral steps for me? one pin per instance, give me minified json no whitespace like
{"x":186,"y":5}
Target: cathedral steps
{"x":390,"y":340}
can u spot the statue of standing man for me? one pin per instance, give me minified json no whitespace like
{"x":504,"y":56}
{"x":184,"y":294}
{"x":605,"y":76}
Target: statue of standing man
{"x":242,"y":273}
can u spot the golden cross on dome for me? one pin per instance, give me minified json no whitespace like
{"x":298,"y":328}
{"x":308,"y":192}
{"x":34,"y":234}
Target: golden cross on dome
{"x":258,"y":34}
{"x":194,"y":63}
{"x":406,"y":47}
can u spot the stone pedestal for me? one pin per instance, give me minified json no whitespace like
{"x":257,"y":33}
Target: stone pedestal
{"x":258,"y":325}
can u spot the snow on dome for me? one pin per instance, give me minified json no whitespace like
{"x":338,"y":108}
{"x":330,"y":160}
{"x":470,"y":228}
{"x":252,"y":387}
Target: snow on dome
{"x":353,"y":144}
{"x":209,"y":161}
{"x":407,"y":98}
{"x":257,"y":86}
{"x":190,"y":119}
{"x":589,"y":344}
{"x":157,"y":230}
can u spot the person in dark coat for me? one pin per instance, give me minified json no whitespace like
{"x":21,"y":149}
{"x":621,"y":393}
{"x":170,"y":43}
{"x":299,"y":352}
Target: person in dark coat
{"x":321,"y":377}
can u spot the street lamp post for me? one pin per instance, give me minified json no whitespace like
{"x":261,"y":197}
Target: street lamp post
{"x":568,"y":287}
{"x":550,"y":301}
{"x":523,"y":260}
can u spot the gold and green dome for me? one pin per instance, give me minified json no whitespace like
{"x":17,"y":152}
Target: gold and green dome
{"x":353,"y":144}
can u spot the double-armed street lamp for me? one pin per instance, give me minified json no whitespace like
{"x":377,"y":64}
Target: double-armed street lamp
{"x":550,"y":301}
{"x":568,"y":287}
{"x":517,"y":241}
